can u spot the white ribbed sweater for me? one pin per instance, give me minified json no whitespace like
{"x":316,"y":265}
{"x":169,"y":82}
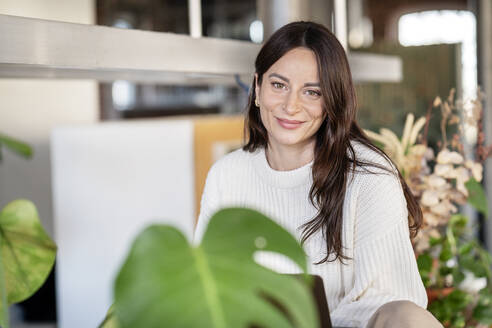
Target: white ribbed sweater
{"x":374,"y":233}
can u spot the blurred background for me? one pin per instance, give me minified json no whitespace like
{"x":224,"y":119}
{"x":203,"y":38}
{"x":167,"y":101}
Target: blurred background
{"x":125,"y":124}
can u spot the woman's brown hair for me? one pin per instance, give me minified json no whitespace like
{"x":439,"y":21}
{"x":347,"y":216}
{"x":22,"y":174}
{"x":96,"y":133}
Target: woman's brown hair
{"x":334,"y":155}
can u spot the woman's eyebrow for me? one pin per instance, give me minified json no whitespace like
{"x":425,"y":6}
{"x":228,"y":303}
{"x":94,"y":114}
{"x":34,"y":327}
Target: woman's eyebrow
{"x":309,"y":84}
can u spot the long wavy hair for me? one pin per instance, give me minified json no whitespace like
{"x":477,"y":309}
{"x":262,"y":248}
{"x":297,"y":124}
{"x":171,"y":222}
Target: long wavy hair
{"x":334,"y":156}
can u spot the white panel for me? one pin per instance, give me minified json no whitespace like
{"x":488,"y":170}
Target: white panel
{"x":111,"y":180}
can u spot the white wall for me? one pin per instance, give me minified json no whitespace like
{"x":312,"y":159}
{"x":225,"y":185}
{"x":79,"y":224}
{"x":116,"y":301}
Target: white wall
{"x":110,"y":180}
{"x":74,"y":11}
{"x":29,"y":109}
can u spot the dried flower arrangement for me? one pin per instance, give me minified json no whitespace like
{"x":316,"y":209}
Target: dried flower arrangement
{"x":453,"y":265}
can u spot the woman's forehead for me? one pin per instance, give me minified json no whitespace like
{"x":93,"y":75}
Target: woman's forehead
{"x":298,"y":64}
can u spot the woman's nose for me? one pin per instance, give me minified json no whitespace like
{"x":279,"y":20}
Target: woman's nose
{"x":291,"y":105}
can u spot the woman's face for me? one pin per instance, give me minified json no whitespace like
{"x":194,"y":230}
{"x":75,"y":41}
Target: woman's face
{"x":291,"y":105}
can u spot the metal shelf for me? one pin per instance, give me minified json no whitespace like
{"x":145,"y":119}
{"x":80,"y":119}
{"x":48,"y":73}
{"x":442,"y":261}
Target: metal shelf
{"x":36,"y":48}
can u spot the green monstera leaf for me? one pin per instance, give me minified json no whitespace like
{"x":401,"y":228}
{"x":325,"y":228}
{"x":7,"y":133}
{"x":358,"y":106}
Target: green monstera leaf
{"x":165,"y":281}
{"x":27,"y":254}
{"x":110,"y":321}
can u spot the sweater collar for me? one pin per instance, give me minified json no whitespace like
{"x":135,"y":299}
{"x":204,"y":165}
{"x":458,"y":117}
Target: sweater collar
{"x":281,"y":179}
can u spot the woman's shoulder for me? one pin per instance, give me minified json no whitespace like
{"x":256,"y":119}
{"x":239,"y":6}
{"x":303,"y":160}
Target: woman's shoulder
{"x":371,"y":160}
{"x":373,"y":172}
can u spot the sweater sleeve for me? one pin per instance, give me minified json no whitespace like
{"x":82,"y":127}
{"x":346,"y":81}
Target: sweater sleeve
{"x":385,"y":268}
{"x":208,"y":204}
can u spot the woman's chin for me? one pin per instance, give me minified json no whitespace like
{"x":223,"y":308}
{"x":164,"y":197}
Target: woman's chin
{"x":288,"y":142}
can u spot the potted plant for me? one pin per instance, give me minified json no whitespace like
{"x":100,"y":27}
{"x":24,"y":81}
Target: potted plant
{"x":454,"y":266}
{"x":456,"y":271}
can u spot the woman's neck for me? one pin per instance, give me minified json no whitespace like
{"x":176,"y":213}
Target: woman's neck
{"x":286,"y":158}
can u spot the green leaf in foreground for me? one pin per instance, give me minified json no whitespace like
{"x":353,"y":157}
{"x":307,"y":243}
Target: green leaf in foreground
{"x":27,"y":253}
{"x":110,"y":320}
{"x":16,"y":146}
{"x":167,"y":282}
{"x":477,"y":196}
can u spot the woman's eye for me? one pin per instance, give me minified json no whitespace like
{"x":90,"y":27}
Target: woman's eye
{"x":277,"y":85}
{"x":314,"y":93}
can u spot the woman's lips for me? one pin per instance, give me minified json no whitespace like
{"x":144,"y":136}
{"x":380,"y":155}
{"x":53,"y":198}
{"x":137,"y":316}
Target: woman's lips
{"x":289,"y":124}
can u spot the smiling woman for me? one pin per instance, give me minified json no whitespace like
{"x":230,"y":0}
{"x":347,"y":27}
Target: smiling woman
{"x":288,"y":103}
{"x":308,"y":165}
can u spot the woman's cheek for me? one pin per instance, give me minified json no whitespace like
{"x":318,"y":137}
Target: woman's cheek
{"x":315,"y":111}
{"x":274,"y":98}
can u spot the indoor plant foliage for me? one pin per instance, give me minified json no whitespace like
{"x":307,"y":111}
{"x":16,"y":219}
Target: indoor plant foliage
{"x":165,"y":279}
{"x":16,"y":146}
{"x":453,"y":265}
{"x":27,"y":253}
